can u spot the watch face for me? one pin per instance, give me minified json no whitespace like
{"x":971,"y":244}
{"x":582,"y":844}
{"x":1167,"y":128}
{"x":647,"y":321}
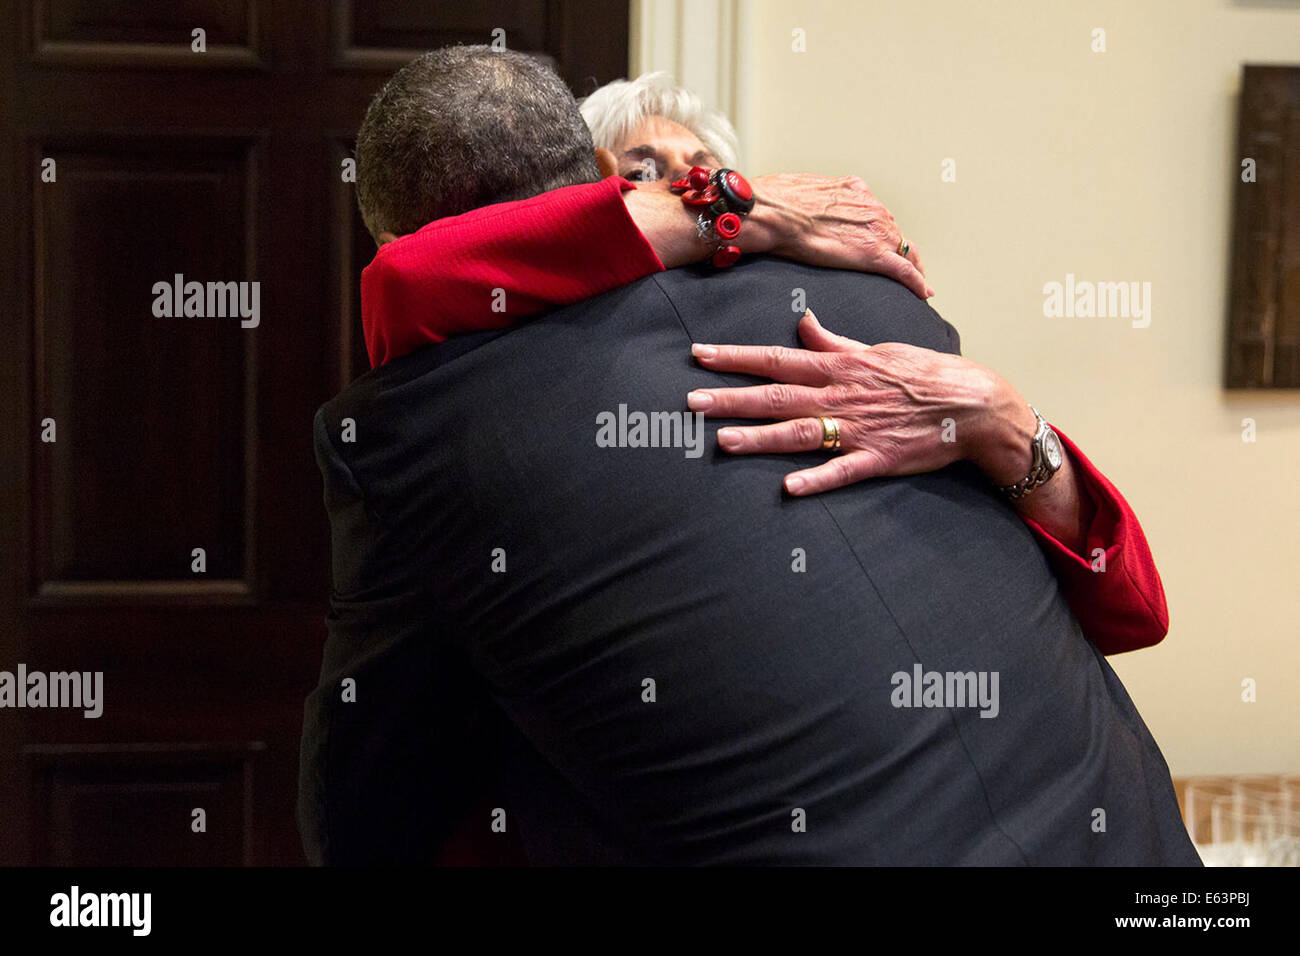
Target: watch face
{"x":1052,"y":449}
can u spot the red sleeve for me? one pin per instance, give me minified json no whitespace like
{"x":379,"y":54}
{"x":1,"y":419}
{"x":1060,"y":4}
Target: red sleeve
{"x":1123,"y":607}
{"x":554,"y":249}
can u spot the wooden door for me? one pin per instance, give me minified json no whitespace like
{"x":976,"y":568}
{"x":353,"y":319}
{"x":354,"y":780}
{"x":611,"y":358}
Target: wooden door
{"x":162,"y":519}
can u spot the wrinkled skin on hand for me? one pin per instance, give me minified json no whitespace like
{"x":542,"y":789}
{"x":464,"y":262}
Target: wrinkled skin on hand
{"x":901,"y":410}
{"x":836,"y":223}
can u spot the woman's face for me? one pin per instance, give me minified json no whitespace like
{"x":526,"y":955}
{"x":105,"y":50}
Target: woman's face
{"x":660,"y":149}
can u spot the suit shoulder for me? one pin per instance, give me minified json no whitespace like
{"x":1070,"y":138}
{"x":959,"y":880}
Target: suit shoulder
{"x":870,"y":308}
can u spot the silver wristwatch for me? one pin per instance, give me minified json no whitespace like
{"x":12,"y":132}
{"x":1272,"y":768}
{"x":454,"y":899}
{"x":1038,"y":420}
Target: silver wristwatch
{"x":1048,"y":457}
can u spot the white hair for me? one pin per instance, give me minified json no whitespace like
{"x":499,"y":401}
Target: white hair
{"x":617,"y":108}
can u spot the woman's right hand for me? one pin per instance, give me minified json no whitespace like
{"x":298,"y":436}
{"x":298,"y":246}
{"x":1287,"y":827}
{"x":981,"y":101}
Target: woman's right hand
{"x":836,"y":223}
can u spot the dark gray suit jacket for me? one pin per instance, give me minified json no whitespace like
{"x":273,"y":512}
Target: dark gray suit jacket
{"x":772,"y":735}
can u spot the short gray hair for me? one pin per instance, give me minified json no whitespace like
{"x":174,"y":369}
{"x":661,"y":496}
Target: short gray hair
{"x":463,"y":127}
{"x":617,"y":108}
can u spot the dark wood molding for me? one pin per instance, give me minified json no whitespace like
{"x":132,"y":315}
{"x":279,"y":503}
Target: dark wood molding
{"x":1263,"y":342}
{"x":223,"y":166}
{"x":161,"y":52}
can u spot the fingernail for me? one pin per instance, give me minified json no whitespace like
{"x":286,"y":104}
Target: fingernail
{"x":699,"y":401}
{"x":794,"y":484}
{"x":704,"y":351}
{"x":729,"y":437}
{"x":929,"y":292}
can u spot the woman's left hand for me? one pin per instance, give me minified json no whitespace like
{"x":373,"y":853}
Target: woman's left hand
{"x":901,"y":410}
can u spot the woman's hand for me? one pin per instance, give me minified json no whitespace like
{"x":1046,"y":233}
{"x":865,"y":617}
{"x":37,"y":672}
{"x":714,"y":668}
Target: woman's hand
{"x":836,"y":223}
{"x":901,"y":410}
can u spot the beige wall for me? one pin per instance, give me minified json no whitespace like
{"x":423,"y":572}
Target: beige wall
{"x":1111,"y":166}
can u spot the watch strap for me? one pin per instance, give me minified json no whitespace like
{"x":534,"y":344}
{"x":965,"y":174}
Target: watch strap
{"x":1040,"y":471}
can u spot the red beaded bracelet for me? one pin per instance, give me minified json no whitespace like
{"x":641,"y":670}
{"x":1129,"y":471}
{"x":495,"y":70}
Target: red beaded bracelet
{"x":724,"y":198}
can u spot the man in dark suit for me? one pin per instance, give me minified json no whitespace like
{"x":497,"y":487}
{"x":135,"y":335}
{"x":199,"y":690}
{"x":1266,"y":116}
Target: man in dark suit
{"x":647,"y":654}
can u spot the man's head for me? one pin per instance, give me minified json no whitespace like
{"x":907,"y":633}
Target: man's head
{"x":463,"y":127}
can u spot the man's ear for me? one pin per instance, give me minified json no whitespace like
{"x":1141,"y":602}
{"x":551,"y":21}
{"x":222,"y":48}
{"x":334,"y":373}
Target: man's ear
{"x":385,"y":238}
{"x":606,"y":162}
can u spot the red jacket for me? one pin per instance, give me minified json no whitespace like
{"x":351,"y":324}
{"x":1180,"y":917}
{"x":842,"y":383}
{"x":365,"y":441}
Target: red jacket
{"x":496,"y":265}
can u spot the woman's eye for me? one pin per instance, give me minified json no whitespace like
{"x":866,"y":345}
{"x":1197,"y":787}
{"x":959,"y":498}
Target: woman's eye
{"x":643,"y":172}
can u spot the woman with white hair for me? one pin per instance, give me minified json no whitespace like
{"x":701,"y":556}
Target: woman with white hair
{"x":651,"y":130}
{"x":492,"y":267}
{"x":579,"y":241}
{"x":653,"y":110}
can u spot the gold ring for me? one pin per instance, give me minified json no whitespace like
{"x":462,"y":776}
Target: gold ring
{"x":903,"y":248}
{"x":830,"y":433}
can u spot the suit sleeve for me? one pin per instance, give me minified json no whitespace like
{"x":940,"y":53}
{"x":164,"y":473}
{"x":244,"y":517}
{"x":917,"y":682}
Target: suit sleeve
{"x":388,"y":760}
{"x":1121,"y":608}
{"x":491,"y":267}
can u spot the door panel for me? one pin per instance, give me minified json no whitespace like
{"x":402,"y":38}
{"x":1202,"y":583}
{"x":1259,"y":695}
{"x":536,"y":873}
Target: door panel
{"x":130,"y":159}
